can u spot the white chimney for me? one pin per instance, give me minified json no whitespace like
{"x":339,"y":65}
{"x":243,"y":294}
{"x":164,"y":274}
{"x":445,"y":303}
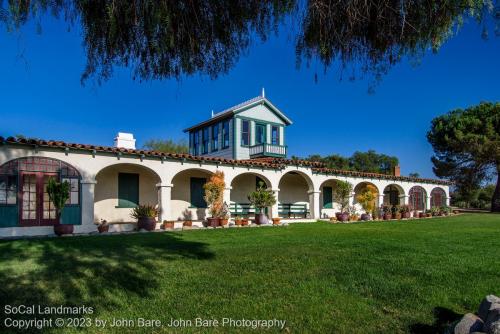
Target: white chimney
{"x":125,"y":140}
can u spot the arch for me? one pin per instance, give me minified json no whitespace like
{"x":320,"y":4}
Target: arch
{"x":438,"y":197}
{"x":327,"y":204}
{"x":122,"y":186}
{"x":394,"y":194}
{"x":295,"y":189}
{"x":241,"y":186}
{"x":187,"y":194}
{"x":418,"y":198}
{"x":360,"y":188}
{"x":24,"y":200}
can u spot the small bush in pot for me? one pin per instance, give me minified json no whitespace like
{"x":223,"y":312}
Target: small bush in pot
{"x":168,"y":224}
{"x":387,"y":212}
{"x":342,"y":191}
{"x":435,"y":211}
{"x":103,"y":226}
{"x":244,"y":222}
{"x":238,"y":221}
{"x":214,"y":197}
{"x":367,"y":200}
{"x":261,"y":199}
{"x":405,"y":211}
{"x":396,"y":214}
{"x":446,"y":210}
{"x":59,"y":194}
{"x":276,"y":220}
{"x":224,"y":215}
{"x":145,"y":214}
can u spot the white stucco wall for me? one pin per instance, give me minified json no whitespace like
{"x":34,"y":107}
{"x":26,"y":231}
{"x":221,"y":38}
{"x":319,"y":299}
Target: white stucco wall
{"x":291,"y":189}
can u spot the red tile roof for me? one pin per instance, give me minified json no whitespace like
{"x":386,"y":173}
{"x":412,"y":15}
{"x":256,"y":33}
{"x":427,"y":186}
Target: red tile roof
{"x":268,"y":162}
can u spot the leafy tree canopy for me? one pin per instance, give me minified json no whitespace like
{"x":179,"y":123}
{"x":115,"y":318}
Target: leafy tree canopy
{"x":370,"y":162}
{"x":166,"y":145}
{"x":466,"y":144}
{"x":167,"y":39}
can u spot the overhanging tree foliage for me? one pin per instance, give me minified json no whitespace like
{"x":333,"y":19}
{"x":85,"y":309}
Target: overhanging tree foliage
{"x":166,"y":145}
{"x":164,"y":39}
{"x":467,"y":148}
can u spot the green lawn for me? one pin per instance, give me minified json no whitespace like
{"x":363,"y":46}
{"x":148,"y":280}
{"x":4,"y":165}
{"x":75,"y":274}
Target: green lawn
{"x":383,"y":277}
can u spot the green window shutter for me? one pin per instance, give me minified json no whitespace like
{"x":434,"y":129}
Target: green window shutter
{"x":128,"y":190}
{"x":197,"y":192}
{"x":327,"y":197}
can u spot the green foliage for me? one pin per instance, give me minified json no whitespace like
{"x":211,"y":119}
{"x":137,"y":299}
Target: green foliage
{"x":169,"y":39}
{"x":367,"y":200}
{"x":370,"y":162}
{"x":144,"y":211}
{"x":58,"y":193}
{"x":166,"y":146}
{"x":341,"y":192}
{"x":466,"y":146}
{"x":262,"y":198}
{"x":478,"y":198}
{"x":415,"y":175}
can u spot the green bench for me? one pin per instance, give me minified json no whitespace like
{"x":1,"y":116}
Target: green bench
{"x":242,"y":209}
{"x":293,"y":210}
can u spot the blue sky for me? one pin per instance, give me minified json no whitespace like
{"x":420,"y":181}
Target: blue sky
{"x":41,"y":95}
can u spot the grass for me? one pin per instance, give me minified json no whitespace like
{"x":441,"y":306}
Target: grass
{"x":377,"y":277}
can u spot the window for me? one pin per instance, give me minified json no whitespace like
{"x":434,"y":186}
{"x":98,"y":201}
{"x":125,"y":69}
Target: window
{"x":225,"y":134}
{"x":417,"y":198}
{"x":260,"y":133}
{"x":215,"y":137}
{"x":8,"y":189}
{"x":245,"y":133}
{"x":197,"y":192}
{"x":128,"y":190}
{"x":74,"y":188}
{"x":196,"y":142}
{"x":438,"y":197}
{"x":327,"y":197}
{"x":205,"y":141}
{"x":275,"y":135}
{"x":191,"y":143}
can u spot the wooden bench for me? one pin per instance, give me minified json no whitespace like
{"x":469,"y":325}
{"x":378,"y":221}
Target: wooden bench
{"x":242,"y":210}
{"x":293,"y":210}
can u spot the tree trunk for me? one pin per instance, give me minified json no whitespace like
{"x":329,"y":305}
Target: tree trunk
{"x":495,"y":201}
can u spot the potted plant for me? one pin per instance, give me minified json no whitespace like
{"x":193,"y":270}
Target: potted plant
{"x":435,"y":211}
{"x":428,"y":213}
{"x":446,"y":210}
{"x":261,"y":199}
{"x":367,"y":200}
{"x":214,"y":197}
{"x":59,"y":194}
{"x":238,"y":221}
{"x":145,"y":215}
{"x":421,"y":215}
{"x":244,"y":222}
{"x":387,"y":212}
{"x":415,"y":214}
{"x":224,"y":215}
{"x":276,"y":220}
{"x":168,"y":224}
{"x":342,"y":191}
{"x":375,"y":214}
{"x":405,"y":211}
{"x":396,"y":214}
{"x":103,"y":226}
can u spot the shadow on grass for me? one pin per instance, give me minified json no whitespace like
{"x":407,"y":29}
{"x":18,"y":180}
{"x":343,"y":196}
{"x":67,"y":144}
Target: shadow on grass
{"x":102,"y":272}
{"x":443,"y":317}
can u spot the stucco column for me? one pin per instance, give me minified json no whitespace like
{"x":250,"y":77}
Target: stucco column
{"x":427,"y":202}
{"x":314,"y":204}
{"x":164,"y":201}
{"x":403,"y":200}
{"x":88,"y":187}
{"x":274,"y":208}
{"x":227,"y":198}
{"x":448,"y":201}
{"x":380,"y":200}
{"x":351,"y":199}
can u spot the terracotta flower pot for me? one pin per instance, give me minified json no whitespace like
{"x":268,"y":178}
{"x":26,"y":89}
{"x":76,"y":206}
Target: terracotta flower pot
{"x":343,"y":217}
{"x":387,"y":216}
{"x":421,"y":215}
{"x":406,"y":215}
{"x":147,"y":223}
{"x":188,"y":223}
{"x":428,"y":215}
{"x":244,"y":222}
{"x":238,"y":222}
{"x":261,"y":219}
{"x":168,"y":225}
{"x":213,"y":222}
{"x":223,"y":222}
{"x":103,"y":228}
{"x":276,"y":221}
{"x":397,"y":216}
{"x":61,"y":229}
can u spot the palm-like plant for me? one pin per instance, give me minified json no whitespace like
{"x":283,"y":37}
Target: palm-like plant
{"x":262,"y":198}
{"x":58,"y":194}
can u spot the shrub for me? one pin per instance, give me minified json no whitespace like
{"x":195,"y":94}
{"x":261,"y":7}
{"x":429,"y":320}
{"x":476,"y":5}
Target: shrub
{"x":214,"y":193}
{"x":262,"y":198}
{"x":144,"y":211}
{"x":58,"y":193}
{"x":342,"y":191}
